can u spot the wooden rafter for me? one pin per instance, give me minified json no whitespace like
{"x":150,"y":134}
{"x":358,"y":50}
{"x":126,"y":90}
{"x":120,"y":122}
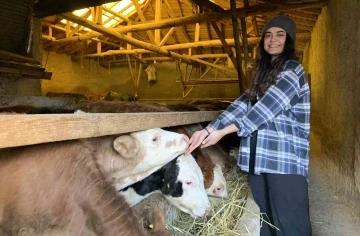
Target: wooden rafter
{"x":144,"y":8}
{"x":225,"y":45}
{"x":142,"y":18}
{"x":255,"y":26}
{"x":166,"y":37}
{"x":181,"y":29}
{"x":208,"y":43}
{"x":203,"y":17}
{"x":150,"y":47}
{"x":116,"y":14}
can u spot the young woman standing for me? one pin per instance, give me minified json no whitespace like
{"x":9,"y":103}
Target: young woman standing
{"x":273,"y":120}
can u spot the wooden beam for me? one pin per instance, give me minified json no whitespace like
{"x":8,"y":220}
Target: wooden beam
{"x":18,"y":58}
{"x":48,"y":37}
{"x":181,"y":29}
{"x":207,"y":82}
{"x":237,"y":45}
{"x":220,"y":55}
{"x":138,"y":43}
{"x":208,"y":43}
{"x":17,"y":72}
{"x":197,"y":36}
{"x":53,"y":26}
{"x":106,"y":42}
{"x":142,"y":18}
{"x":144,"y":7}
{"x":58,"y":127}
{"x":157,"y":19}
{"x":204,"y":17}
{"x":68,"y":29}
{"x":222,"y":69}
{"x":302,"y":15}
{"x":129,"y":34}
{"x":116,"y":14}
{"x":226,"y":46}
{"x":209,"y":5}
{"x":245,"y":51}
{"x":255,"y":26}
{"x":126,"y":39}
{"x":166,"y":37}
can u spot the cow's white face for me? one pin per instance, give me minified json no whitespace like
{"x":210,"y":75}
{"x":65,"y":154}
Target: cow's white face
{"x":148,"y":151}
{"x":187,"y":191}
{"x":218,"y":187}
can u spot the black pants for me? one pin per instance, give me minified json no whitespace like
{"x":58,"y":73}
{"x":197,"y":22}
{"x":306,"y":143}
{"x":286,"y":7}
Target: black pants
{"x":284,"y":200}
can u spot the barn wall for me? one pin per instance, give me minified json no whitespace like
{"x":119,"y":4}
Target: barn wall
{"x":332,"y":59}
{"x":89,"y":78}
{"x":10,"y":85}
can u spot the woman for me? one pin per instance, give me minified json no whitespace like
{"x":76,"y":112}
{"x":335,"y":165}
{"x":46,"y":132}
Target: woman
{"x":273,"y":120}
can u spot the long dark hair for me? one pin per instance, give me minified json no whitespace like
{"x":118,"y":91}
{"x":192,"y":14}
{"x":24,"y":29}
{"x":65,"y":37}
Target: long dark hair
{"x":266,"y":70}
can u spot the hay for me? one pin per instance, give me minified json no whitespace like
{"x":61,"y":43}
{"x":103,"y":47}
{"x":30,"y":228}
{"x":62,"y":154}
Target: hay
{"x":225,"y":214}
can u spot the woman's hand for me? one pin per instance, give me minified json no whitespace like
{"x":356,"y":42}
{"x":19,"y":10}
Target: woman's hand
{"x":196,"y":139}
{"x":212,"y":138}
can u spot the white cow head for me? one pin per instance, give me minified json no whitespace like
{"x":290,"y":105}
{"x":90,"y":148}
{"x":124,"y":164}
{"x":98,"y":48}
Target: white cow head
{"x":218,"y":186}
{"x":183,"y":187}
{"x":142,"y":153}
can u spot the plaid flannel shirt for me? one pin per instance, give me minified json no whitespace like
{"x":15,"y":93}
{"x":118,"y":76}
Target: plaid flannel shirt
{"x":282,"y":118}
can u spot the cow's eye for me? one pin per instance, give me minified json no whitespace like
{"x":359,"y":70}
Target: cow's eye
{"x":154,"y":139}
{"x":188,"y":182}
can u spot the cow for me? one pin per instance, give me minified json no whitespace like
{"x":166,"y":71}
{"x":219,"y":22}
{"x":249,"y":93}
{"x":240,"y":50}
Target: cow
{"x":211,"y":161}
{"x":66,"y":188}
{"x":180,"y":181}
{"x":214,"y":180}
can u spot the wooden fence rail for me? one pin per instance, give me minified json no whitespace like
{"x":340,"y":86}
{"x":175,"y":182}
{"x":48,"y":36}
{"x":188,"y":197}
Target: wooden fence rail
{"x":20,"y":130}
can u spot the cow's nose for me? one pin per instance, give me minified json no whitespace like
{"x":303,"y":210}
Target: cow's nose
{"x":207,"y":212}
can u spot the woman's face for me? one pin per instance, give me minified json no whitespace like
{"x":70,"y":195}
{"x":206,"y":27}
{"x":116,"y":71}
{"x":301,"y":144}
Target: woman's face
{"x":274,"y":41}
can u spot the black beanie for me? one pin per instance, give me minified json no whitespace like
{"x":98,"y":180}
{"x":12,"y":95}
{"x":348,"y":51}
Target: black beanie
{"x":284,"y":23}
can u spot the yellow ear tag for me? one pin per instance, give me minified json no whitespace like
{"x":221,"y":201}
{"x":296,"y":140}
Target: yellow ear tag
{"x":168,"y":185}
{"x":151,"y":226}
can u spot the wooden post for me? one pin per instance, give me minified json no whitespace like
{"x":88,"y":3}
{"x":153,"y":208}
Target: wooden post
{"x":237,"y":43}
{"x":158,"y":4}
{"x":67,"y":29}
{"x":129,"y":34}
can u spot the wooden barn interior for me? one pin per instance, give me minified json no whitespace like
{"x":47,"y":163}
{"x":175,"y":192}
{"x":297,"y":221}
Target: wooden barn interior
{"x":181,"y":51}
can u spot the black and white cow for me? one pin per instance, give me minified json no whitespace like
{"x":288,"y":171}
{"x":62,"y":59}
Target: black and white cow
{"x":180,"y":181}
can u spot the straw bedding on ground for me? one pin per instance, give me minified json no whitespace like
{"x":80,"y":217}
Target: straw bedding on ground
{"x":225,"y":213}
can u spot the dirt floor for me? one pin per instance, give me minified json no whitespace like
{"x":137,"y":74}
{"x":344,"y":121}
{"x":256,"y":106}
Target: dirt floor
{"x":329,"y":214}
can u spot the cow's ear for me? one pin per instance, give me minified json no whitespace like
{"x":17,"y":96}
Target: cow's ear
{"x":126,"y":146}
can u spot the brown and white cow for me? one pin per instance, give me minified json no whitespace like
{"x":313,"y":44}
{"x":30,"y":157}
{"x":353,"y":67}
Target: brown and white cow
{"x":65,"y":188}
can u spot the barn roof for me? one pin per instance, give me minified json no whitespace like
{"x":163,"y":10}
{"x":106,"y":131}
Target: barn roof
{"x":192,"y":31}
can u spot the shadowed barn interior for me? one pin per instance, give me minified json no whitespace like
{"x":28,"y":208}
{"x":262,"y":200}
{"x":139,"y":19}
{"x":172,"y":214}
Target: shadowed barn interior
{"x":173,"y":51}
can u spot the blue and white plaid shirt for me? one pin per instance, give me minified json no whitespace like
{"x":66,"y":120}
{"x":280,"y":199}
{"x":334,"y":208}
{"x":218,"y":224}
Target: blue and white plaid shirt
{"x":282,"y":118}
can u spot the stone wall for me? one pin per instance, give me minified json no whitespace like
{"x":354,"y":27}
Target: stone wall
{"x":332,"y":59}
